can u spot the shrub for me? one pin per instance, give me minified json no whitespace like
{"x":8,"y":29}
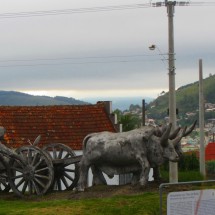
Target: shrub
{"x":188,"y":161}
{"x":210,"y":167}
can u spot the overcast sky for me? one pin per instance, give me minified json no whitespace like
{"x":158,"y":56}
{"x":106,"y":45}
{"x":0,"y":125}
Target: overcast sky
{"x":74,"y":48}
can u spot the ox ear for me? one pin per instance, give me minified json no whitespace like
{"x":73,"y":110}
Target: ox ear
{"x":147,"y":135}
{"x":165,"y":136}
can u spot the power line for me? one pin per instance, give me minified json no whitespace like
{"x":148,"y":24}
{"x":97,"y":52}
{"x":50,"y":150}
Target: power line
{"x":98,"y":9}
{"x":90,"y":62}
{"x":76,"y":58}
{"x":73,"y":11}
{"x":47,"y":63}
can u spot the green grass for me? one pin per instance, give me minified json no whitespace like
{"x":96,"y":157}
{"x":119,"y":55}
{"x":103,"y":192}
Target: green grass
{"x":184,"y":176}
{"x":144,"y":204}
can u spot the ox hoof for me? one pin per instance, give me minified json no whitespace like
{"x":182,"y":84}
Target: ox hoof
{"x":79,"y":189}
{"x":143,"y":182}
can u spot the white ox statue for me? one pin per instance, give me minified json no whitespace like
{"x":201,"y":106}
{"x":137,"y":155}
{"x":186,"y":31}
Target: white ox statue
{"x":118,"y":153}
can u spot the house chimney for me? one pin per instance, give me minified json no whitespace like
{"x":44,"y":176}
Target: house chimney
{"x":113,"y":116}
{"x":108,"y":106}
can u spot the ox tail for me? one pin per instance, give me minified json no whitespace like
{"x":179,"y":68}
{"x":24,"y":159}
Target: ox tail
{"x":85,"y":140}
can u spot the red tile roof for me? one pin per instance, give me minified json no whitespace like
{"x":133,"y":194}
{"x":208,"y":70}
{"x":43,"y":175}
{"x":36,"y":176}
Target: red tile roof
{"x":56,"y":124}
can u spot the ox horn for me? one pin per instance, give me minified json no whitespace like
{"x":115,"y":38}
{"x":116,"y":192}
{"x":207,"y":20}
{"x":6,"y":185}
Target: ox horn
{"x":184,"y":133}
{"x":165,"y":136}
{"x":37,"y":140}
{"x":178,"y":139}
{"x":190,"y":129}
{"x":174,"y":134}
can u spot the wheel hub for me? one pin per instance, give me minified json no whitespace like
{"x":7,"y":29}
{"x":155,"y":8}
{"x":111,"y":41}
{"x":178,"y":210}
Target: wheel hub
{"x":29,"y":172}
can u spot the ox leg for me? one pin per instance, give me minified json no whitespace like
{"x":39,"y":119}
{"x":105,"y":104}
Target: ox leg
{"x":144,"y":175}
{"x":156,"y":173}
{"x":98,"y":177}
{"x":135,"y":178}
{"x":83,"y":170}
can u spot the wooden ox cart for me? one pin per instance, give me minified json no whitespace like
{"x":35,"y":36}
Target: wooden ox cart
{"x":30,"y":170}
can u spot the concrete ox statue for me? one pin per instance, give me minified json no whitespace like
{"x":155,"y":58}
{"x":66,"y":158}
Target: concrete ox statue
{"x":134,"y":152}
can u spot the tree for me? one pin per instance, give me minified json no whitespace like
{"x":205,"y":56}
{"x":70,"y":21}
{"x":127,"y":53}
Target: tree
{"x":129,"y":121}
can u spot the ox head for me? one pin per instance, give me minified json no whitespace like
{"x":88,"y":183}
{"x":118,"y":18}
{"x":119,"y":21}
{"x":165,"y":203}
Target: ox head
{"x":160,"y":148}
{"x":176,"y":136}
{"x":168,"y":146}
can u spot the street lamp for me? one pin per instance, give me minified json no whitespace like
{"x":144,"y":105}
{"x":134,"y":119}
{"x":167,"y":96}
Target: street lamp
{"x":171,"y":74}
{"x":173,"y":167}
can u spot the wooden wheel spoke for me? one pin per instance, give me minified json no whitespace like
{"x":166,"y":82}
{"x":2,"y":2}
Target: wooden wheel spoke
{"x":64,"y":182}
{"x":39,"y":182}
{"x":30,"y":187}
{"x":24,"y":155}
{"x":35,"y":159}
{"x":17,"y":163}
{"x":68,"y":176}
{"x":18,"y":176}
{"x":41,"y":176}
{"x":67,"y":155}
{"x":20,"y":182}
{"x":40,"y":170}
{"x":60,"y":154}
{"x":54,"y":153}
{"x":40,"y":161}
{"x":36,"y":188}
{"x":3,"y":183}
{"x":24,"y":187}
{"x":16,"y":169}
{"x":29,"y":156}
{"x":69,"y":170}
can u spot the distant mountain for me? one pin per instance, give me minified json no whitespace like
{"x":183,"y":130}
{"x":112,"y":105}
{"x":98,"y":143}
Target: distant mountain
{"x":13,"y":98}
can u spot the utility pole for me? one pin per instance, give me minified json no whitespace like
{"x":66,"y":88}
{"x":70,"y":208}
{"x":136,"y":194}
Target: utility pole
{"x":170,"y":5}
{"x":201,"y":121}
{"x":173,"y":167}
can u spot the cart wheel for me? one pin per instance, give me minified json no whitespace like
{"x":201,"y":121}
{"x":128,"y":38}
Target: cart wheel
{"x":4,"y":183}
{"x":65,"y":175}
{"x":34,"y":175}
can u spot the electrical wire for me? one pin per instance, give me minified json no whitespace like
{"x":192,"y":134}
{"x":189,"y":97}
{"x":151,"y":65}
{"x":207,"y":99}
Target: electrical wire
{"x":98,"y":9}
{"x":75,"y":58}
{"x":46,"y":62}
{"x":73,"y":11}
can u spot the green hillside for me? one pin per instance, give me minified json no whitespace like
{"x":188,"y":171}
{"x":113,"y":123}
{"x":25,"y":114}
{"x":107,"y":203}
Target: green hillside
{"x":13,"y":98}
{"x":187,"y":100}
